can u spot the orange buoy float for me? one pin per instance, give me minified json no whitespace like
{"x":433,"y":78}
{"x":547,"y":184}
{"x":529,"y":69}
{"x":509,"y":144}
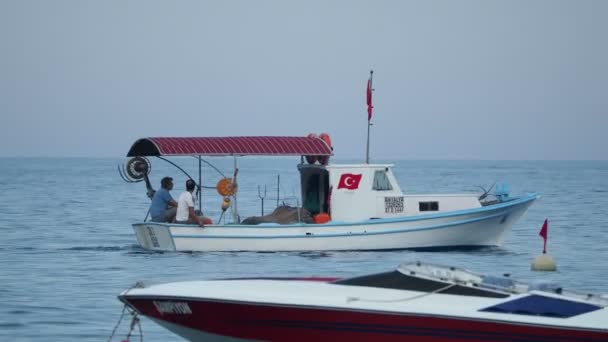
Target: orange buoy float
{"x":225,"y":187}
{"x":311,"y":159}
{"x":323,"y":160}
{"x":321,"y":218}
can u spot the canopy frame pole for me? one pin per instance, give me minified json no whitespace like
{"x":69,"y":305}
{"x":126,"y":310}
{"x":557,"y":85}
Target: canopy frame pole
{"x":200,"y":185}
{"x":236,"y":212}
{"x":176,"y":166}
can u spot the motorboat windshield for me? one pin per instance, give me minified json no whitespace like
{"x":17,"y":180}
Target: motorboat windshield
{"x":428,"y":278}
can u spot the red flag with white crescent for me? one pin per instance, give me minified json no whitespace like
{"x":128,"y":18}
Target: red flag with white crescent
{"x":349,"y":181}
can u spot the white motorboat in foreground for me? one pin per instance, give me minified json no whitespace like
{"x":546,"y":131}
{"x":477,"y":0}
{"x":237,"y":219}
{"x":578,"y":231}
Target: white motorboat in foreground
{"x":415,"y":302}
{"x":344,"y":207}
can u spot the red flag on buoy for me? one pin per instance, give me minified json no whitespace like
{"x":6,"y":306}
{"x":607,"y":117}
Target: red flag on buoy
{"x":543,"y":232}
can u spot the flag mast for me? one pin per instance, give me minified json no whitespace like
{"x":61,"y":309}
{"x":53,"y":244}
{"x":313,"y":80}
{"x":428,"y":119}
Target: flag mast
{"x":369,"y":111}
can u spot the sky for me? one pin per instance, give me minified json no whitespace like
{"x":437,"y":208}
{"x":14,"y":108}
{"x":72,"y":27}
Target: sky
{"x":473,"y":80}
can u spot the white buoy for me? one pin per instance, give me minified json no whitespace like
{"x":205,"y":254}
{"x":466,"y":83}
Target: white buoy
{"x":544,"y":262}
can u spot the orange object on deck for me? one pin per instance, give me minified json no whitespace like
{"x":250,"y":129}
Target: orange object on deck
{"x":225,"y":187}
{"x":321,"y":218}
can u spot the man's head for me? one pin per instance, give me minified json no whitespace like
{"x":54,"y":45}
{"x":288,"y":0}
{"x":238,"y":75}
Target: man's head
{"x":190,"y":184}
{"x":166,"y":183}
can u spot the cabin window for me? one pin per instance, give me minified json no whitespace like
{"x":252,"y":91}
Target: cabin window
{"x":381,"y":182}
{"x":428,"y":206}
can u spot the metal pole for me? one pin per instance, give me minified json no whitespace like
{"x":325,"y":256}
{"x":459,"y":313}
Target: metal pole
{"x":200,"y":186}
{"x":278,"y":188}
{"x":236,"y":212}
{"x":262,"y":197}
{"x":369,"y":104}
{"x":367,"y":145}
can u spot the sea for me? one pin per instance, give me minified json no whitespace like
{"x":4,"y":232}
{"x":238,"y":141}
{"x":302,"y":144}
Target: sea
{"x":67,"y":248}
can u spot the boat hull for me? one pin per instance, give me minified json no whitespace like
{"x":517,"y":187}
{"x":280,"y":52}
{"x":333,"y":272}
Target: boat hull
{"x":216,"y":320}
{"x":485,"y":226}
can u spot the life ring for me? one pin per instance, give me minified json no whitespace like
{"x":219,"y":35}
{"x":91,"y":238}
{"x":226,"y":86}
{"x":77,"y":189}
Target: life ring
{"x":323,"y":160}
{"x":225,"y":187}
{"x":311,"y":159}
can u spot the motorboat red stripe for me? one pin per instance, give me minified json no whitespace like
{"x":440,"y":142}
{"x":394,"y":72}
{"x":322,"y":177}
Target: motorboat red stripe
{"x":230,"y":146}
{"x":298,"y":323}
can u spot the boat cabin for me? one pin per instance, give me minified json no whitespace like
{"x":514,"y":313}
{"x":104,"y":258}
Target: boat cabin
{"x":356,"y":192}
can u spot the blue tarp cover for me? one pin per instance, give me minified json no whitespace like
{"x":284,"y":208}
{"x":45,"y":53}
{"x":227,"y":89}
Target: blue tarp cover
{"x":537,"y":305}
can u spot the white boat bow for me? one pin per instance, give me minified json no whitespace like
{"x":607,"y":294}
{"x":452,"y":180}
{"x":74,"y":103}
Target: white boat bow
{"x":421,"y":302}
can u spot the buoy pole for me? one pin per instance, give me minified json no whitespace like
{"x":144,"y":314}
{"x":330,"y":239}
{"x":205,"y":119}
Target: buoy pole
{"x":544,"y":231}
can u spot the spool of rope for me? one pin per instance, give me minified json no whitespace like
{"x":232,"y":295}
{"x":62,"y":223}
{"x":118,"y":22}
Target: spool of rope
{"x":137,"y":168}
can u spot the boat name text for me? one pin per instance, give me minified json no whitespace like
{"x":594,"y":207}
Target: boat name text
{"x":170,"y":307}
{"x":393,"y":205}
{"x":153,"y":237}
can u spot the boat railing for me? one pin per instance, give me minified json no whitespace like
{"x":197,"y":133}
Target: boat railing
{"x":594,"y":298}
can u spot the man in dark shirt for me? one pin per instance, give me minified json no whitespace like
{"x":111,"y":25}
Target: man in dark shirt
{"x":163,"y":207}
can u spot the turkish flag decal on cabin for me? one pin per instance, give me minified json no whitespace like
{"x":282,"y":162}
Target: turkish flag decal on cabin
{"x":349,"y":181}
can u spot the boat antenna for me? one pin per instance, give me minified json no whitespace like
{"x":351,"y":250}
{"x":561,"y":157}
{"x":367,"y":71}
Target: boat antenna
{"x":370,"y":107}
{"x":262,"y":197}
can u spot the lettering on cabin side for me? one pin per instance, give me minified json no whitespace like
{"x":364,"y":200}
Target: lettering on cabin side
{"x":153,"y":237}
{"x":170,"y":307}
{"x":393,"y":205}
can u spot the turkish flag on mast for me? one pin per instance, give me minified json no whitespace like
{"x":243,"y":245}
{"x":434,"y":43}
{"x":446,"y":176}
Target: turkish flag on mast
{"x":369,"y":99}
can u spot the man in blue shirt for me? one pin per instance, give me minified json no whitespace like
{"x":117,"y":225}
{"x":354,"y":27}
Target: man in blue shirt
{"x":163,"y":207}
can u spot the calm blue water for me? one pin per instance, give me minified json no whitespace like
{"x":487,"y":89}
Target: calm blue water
{"x":67,"y":248}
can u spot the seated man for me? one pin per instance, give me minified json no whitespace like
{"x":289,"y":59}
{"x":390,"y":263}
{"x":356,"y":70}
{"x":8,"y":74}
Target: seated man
{"x":185,"y":207}
{"x":163,"y":207}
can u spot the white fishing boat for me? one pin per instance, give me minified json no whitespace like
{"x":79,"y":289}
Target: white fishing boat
{"x":415,"y":302}
{"x":342,"y":207}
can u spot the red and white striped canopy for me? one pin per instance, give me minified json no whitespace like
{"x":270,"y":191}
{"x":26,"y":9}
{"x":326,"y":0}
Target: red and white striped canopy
{"x":230,"y":146}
